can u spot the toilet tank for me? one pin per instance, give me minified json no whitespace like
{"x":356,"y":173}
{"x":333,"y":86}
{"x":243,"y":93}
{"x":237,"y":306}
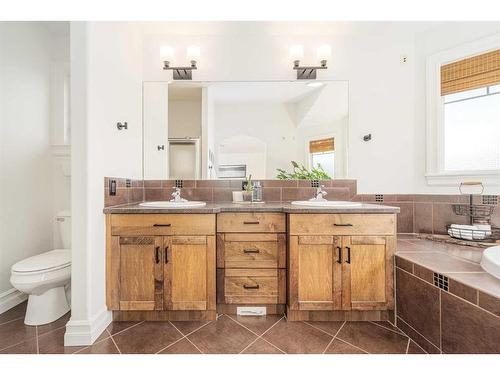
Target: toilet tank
{"x":63,"y":219}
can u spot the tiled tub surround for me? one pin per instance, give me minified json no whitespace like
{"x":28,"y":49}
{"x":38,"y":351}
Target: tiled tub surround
{"x":459,"y":315}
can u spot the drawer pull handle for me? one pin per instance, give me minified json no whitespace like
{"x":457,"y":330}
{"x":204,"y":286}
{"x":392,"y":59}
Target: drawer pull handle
{"x":348,"y":255}
{"x":343,"y":225}
{"x":166,"y":254}
{"x":251,"y":251}
{"x":157,"y":254}
{"x":251,"y":286}
{"x":161,"y":225}
{"x":250,"y":222}
{"x":339,"y":260}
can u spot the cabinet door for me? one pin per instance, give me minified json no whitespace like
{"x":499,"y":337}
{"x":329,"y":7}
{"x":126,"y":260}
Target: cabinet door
{"x":367,"y":279}
{"x":189,"y":272}
{"x":141,"y":273}
{"x":315,"y":272}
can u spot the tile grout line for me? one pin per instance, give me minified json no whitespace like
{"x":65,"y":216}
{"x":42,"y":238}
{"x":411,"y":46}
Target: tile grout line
{"x":391,"y":330}
{"x":10,"y":321}
{"x":333,"y":338}
{"x":114,"y":342}
{"x":408,"y":345}
{"x":185,"y":336}
{"x":37,"y":346}
{"x":414,"y":342}
{"x":258,"y":337}
{"x":354,"y":346}
{"x":319,"y":329}
{"x":418,"y":333}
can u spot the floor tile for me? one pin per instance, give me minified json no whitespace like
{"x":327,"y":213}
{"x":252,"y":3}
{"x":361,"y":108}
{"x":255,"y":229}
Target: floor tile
{"x":16,"y":312}
{"x":415,"y":349}
{"x":261,"y":347}
{"x":103,"y":347}
{"x":25,"y":347}
{"x":257,"y":324}
{"x":340,"y":347}
{"x":389,"y":326}
{"x":53,"y":343}
{"x":329,"y":327}
{"x":372,"y":338}
{"x":188,"y":327}
{"x":181,"y":347}
{"x":297,"y":337}
{"x":61,"y":322}
{"x":147,"y":337}
{"x":222,"y":336}
{"x":117,"y":327}
{"x":14,"y":332}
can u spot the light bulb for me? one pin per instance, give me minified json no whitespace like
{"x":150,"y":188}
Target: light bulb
{"x":193,"y":52}
{"x":324,"y":52}
{"x":166,"y":53}
{"x":296,"y":52}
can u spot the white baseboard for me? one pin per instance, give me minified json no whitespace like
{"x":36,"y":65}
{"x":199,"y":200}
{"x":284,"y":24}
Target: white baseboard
{"x":11,"y":298}
{"x":85,"y":332}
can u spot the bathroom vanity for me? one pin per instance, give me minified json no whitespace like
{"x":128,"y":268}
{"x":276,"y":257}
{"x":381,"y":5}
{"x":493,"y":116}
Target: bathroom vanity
{"x":189,"y":264}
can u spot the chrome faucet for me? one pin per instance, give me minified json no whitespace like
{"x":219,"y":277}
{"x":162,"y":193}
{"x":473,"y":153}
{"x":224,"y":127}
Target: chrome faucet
{"x":177,"y":195}
{"x":320,"y":194}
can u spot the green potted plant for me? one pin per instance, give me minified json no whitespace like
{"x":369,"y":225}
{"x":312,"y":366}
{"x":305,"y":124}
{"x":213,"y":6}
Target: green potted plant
{"x":248,"y":190}
{"x":299,"y":172}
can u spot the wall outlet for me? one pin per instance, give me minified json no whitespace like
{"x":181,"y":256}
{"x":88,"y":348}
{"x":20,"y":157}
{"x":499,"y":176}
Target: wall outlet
{"x":251,"y":310}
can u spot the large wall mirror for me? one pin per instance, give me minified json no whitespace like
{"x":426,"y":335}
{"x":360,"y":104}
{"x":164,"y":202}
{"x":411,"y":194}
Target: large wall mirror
{"x":229,"y":130}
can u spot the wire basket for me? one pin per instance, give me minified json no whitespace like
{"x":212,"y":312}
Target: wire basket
{"x":476,"y":211}
{"x":484,"y":235}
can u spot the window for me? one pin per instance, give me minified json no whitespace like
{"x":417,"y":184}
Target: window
{"x":463,"y":114}
{"x":322,"y":152}
{"x":472,"y":129}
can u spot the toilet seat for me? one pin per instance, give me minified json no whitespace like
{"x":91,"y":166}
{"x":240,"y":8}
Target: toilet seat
{"x":46,"y":262}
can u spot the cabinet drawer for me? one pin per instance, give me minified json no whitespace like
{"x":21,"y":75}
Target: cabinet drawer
{"x":251,"y":286}
{"x":343,"y":224}
{"x":251,"y":222}
{"x":251,"y":250}
{"x":162,"y":224}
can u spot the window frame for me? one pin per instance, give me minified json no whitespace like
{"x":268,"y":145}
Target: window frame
{"x":435,"y":172}
{"x":308,"y":155}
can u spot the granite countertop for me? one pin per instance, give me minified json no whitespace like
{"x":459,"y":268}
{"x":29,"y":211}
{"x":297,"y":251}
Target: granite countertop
{"x":213,"y":208}
{"x":458,"y":262}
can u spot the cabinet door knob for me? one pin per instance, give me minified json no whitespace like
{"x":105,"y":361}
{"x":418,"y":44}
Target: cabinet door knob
{"x":157,"y":254}
{"x":251,"y":251}
{"x":339,"y":260}
{"x":251,"y":286}
{"x":348,"y":255}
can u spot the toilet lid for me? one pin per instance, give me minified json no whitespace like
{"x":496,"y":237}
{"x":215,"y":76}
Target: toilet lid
{"x":50,"y":260}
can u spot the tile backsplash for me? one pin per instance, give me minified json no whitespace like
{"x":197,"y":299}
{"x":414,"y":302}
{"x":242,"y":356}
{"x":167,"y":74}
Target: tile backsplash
{"x":420,"y":213}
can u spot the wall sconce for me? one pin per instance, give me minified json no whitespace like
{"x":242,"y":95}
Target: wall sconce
{"x":309,"y":72}
{"x":180,"y":72}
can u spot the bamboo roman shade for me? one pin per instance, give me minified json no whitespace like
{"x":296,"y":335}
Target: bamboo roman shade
{"x":471,"y":73}
{"x":322,"y":145}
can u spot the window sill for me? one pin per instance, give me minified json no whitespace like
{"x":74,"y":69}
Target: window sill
{"x":490,"y":177}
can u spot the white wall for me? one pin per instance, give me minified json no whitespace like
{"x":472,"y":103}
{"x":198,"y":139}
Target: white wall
{"x":25,"y":163}
{"x":381,"y":89}
{"x":106,"y":84}
{"x":427,"y":43}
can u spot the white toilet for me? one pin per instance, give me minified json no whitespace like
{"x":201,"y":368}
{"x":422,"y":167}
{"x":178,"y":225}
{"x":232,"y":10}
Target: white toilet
{"x":46,"y":278}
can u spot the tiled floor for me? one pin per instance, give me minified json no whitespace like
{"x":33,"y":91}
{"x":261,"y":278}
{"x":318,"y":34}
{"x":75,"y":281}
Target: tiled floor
{"x":229,"y":334}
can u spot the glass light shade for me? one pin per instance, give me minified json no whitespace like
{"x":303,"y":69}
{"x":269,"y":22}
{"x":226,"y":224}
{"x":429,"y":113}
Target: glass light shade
{"x":193,"y":52}
{"x":324,"y":52}
{"x":166,"y":53}
{"x":296,"y":52}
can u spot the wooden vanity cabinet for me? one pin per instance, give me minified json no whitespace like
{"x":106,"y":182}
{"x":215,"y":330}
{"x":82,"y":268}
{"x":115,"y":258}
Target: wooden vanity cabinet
{"x":159,"y":267}
{"x":251,"y":261}
{"x":340,"y":266}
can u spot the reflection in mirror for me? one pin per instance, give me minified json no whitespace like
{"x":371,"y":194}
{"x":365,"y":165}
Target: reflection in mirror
{"x":230,"y":130}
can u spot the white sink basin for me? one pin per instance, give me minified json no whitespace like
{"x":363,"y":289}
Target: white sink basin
{"x":169,"y":204}
{"x":334,"y":204}
{"x":490,"y":262}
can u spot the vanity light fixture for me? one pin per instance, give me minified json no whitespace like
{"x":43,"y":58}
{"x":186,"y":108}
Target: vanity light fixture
{"x":309,"y":72}
{"x":180,"y":72}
